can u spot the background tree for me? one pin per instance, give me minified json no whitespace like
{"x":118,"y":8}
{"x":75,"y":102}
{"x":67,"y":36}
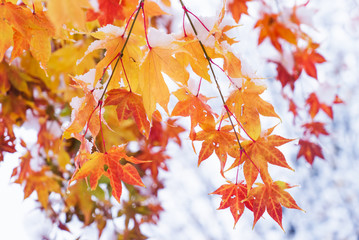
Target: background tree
{"x":120,"y":102}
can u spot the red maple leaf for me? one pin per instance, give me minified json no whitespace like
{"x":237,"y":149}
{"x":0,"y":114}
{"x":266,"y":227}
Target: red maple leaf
{"x":315,"y":128}
{"x":315,"y":106}
{"x":129,"y":105}
{"x":234,"y":196}
{"x":309,"y":151}
{"x":109,"y":10}
{"x":272,"y":197}
{"x":307,"y":58}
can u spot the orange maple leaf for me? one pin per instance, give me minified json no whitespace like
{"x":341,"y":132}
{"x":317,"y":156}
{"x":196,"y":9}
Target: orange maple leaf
{"x":307,"y":58}
{"x":237,"y":8}
{"x":246,"y":104}
{"x":109,"y":164}
{"x":309,"y":151}
{"x":195,"y":107}
{"x":272,"y":197}
{"x":84,"y":113}
{"x":221,"y":141}
{"x":258,"y":154}
{"x":26,"y":30}
{"x":315,"y":106}
{"x":43,"y":184}
{"x":234,"y":196}
{"x":272,"y":28}
{"x":129,"y":104}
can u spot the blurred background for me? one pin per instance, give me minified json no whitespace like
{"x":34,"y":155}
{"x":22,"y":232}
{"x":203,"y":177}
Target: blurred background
{"x":328,"y":190}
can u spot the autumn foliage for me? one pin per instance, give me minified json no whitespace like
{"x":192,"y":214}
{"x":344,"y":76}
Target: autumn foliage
{"x":96,"y":82}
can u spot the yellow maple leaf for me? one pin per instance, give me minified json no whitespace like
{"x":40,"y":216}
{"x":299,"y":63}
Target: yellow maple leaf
{"x":68,"y":11}
{"x":151,"y":80}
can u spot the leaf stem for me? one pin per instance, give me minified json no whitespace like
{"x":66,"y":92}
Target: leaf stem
{"x":123,"y":48}
{"x":199,"y":87}
{"x":230,"y":79}
{"x":144,"y":24}
{"x":103,"y":139}
{"x":128,"y":22}
{"x":119,"y":57}
{"x":212,"y":71}
{"x":186,"y":10}
{"x":184,"y":29}
{"x":124,"y":71}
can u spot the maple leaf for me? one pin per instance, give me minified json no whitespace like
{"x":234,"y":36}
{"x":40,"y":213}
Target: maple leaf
{"x":43,"y":184}
{"x":246,"y":105}
{"x":258,"y":154}
{"x":272,"y":197}
{"x":153,"y":87}
{"x":109,"y":164}
{"x":79,"y":197}
{"x":315,"y":106}
{"x":68,"y":12}
{"x":129,"y":105}
{"x":232,"y":65}
{"x":220,"y":141}
{"x":307,"y":58}
{"x":237,"y":8}
{"x":315,"y":128}
{"x":219,"y":29}
{"x":111,"y":38}
{"x":285,"y":77}
{"x":6,"y":41}
{"x":30,"y":31}
{"x":162,"y":132}
{"x":192,"y":54}
{"x":84,"y":112}
{"x":195,"y":107}
{"x":309,"y":151}
{"x":293,"y":108}
{"x":109,"y":10}
{"x":6,"y":140}
{"x":234,"y":196}
{"x":272,"y":28}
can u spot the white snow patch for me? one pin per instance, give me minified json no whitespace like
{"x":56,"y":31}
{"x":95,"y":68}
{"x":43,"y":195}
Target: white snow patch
{"x":158,"y":38}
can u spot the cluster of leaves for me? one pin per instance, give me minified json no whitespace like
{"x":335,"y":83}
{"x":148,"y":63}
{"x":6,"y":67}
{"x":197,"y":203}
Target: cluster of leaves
{"x":94,"y":82}
{"x":298,"y":54}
